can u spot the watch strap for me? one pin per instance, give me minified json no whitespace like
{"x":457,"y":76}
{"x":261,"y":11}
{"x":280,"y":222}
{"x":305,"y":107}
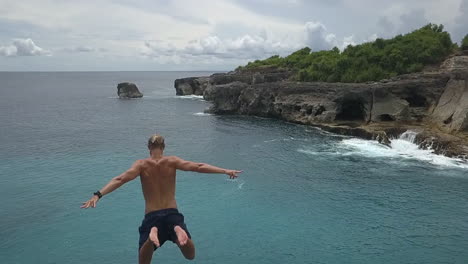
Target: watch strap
{"x":99,"y":194}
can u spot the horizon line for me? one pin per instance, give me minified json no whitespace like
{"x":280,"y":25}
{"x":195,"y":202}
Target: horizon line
{"x":122,"y":71}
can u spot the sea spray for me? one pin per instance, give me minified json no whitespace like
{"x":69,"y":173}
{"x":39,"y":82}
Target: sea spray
{"x":193,"y":97}
{"x":202,"y":114}
{"x":402,"y":147}
{"x":409,"y":136}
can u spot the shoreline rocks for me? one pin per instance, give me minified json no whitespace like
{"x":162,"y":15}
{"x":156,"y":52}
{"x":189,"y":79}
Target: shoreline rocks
{"x":434,"y":103}
{"x":128,"y":90}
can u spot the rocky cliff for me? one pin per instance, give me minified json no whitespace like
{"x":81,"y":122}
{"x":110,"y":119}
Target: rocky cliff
{"x":434,"y":103}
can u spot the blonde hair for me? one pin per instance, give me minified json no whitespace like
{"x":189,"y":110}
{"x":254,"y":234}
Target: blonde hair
{"x":156,"y":141}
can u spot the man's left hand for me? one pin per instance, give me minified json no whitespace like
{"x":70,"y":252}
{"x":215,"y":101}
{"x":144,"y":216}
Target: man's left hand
{"x":91,"y":202}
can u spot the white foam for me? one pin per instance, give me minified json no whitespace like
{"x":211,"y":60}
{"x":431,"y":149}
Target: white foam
{"x":403,"y":147}
{"x":192,"y":96}
{"x":271,"y":140}
{"x":202,"y":114}
{"x":116,"y":97}
{"x":309,"y":152}
{"x":323,"y":132}
{"x":240,"y":183}
{"x":286,"y":139}
{"x":318,"y":153}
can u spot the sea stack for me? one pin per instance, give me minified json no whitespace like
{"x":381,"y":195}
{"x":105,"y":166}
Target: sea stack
{"x":128,"y":90}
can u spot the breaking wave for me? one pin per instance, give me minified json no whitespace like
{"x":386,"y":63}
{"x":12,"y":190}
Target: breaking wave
{"x":202,"y":114}
{"x":196,"y":97}
{"x":403,"y":147}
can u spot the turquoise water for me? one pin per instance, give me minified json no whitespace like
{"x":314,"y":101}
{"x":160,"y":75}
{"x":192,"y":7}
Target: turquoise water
{"x":305,"y":196}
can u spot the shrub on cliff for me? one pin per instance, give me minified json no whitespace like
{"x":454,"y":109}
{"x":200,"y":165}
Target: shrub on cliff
{"x":464,"y":45}
{"x":272,"y":61}
{"x":372,"y":61}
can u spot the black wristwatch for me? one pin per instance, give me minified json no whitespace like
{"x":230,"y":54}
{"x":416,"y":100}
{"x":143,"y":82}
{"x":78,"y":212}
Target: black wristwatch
{"x":99,"y":194}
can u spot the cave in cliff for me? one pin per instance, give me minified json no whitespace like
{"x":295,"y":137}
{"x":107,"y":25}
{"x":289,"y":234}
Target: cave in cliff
{"x":351,"y":110}
{"x":416,"y":100}
{"x":385,"y":118}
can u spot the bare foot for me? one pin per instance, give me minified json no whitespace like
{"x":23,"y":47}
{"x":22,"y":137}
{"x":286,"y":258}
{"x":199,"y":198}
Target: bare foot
{"x":181,"y":235}
{"x":154,"y":236}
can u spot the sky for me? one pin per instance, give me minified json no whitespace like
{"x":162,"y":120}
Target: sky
{"x":186,"y":35}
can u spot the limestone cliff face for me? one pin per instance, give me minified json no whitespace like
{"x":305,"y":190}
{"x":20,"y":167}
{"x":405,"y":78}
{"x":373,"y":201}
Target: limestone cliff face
{"x":192,"y":85}
{"x":128,"y":90}
{"x":451,"y":112}
{"x":198,"y":85}
{"x":435,"y":103}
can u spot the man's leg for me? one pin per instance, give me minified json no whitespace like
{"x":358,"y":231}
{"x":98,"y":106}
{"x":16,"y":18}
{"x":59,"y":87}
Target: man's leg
{"x":146,"y":251}
{"x":185,"y":243}
{"x":188,"y":250}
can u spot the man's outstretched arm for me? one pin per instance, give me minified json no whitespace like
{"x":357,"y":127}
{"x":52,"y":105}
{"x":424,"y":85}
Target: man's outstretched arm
{"x":186,"y":165}
{"x":115,"y":183}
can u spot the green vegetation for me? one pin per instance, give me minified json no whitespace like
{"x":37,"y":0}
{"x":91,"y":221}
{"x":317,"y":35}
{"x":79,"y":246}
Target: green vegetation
{"x":372,"y":61}
{"x":464,"y":45}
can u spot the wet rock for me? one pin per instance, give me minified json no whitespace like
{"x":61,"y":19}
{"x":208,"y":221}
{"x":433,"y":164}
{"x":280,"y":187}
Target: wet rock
{"x":128,"y":90}
{"x":451,"y":113}
{"x":191,"y":85}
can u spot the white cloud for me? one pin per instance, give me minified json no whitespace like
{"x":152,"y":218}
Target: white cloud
{"x":317,"y":37}
{"x":225,"y":32}
{"x":209,"y":48}
{"x":8,"y":51}
{"x":247,"y":47}
{"x":372,"y":37}
{"x":23,"y":47}
{"x":348,"y":41}
{"x":208,"y":45}
{"x":257,"y":46}
{"x":157,"y":49}
{"x":84,"y":49}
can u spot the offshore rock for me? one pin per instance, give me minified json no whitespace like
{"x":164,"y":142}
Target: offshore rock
{"x":128,"y":90}
{"x":434,"y":103}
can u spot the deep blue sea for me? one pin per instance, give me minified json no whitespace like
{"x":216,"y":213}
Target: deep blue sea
{"x":305,"y":196}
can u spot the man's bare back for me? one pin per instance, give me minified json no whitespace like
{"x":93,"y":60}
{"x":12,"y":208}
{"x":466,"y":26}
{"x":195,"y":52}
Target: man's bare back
{"x":158,"y":176}
{"x":158,"y":180}
{"x":158,"y":183}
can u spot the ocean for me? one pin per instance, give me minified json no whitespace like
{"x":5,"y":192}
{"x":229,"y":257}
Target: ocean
{"x":305,"y":196}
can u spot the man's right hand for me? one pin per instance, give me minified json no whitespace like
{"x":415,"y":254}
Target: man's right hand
{"x":233,"y":173}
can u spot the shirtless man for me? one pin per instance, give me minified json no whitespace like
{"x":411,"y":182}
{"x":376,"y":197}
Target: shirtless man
{"x":162,"y":219}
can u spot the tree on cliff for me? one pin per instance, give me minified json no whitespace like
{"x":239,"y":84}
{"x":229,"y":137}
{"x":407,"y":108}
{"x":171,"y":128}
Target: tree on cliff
{"x":464,"y":45}
{"x":371,"y":61}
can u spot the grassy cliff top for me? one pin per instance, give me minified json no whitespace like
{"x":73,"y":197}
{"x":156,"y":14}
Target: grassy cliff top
{"x":371,"y":61}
